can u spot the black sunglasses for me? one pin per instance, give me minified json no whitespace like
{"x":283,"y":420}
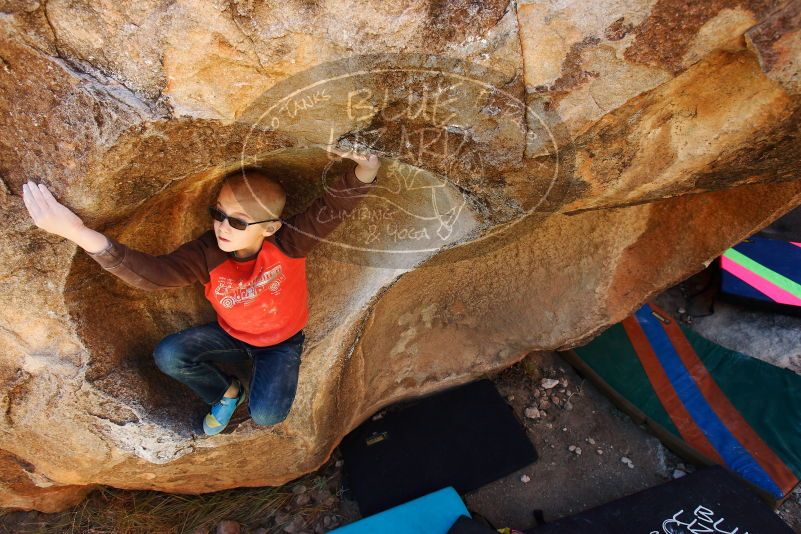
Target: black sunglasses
{"x":236,"y":224}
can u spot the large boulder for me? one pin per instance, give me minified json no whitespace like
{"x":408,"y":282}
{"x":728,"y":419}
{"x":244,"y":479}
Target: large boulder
{"x":547,"y":169}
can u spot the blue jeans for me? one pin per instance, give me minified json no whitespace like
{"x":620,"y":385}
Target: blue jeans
{"x":187,"y":356}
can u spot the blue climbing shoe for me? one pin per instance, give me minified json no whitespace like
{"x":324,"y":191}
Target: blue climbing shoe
{"x":217,"y":419}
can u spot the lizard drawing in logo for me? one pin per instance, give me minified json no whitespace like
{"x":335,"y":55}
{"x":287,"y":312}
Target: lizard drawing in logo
{"x":230,"y":293}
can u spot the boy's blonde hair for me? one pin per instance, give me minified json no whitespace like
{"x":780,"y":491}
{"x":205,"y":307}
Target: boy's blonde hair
{"x":261,"y":195}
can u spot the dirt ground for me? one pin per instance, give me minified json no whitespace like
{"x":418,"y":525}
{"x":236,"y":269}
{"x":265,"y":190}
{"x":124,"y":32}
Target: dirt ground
{"x":563,"y":482}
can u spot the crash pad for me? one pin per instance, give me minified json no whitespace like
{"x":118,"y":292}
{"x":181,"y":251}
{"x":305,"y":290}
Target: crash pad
{"x":707,"y":402}
{"x":434,"y":513}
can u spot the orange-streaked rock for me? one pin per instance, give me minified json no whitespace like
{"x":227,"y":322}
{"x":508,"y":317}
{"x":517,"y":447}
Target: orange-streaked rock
{"x":629,"y":144}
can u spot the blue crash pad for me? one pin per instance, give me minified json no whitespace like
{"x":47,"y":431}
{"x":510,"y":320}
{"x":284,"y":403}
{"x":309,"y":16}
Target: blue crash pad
{"x":434,"y":513}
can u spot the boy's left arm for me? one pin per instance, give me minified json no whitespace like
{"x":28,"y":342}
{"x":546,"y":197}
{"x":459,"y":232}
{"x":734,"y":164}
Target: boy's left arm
{"x":301,"y":232}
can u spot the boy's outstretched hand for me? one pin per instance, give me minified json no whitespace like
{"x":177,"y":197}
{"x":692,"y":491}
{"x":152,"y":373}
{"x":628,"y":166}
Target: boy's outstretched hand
{"x":368,"y":164}
{"x":49,"y":215}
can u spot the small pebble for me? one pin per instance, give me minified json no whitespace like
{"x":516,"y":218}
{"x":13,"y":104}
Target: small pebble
{"x":295,"y":526}
{"x":532,"y":413}
{"x":578,"y":451}
{"x":571,"y":448}
{"x":339,"y":463}
{"x":678,"y":473}
{"x":525,"y":479}
{"x":548,"y":383}
{"x":591,"y":441}
{"x":600,"y":451}
{"x":228,"y":527}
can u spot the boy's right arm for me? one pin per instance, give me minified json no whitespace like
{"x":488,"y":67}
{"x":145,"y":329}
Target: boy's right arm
{"x":182,"y":267}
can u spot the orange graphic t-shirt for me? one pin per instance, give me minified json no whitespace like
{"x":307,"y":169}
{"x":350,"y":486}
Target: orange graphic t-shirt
{"x":261,"y":301}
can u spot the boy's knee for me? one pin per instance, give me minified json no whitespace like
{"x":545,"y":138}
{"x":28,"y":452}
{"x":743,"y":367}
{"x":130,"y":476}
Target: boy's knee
{"x":268,"y":417}
{"x":166,"y":355}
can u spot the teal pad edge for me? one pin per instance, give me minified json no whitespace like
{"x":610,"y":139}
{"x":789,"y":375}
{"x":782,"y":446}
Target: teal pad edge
{"x":434,"y":513}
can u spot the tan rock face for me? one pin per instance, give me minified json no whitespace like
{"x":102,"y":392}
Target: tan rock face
{"x":545,"y":171}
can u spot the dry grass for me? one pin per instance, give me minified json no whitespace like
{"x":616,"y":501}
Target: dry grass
{"x":112,"y":511}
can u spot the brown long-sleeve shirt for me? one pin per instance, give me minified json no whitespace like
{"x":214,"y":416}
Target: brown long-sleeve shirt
{"x":261,"y":300}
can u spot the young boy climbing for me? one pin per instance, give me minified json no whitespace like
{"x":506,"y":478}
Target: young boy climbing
{"x":253,"y":267}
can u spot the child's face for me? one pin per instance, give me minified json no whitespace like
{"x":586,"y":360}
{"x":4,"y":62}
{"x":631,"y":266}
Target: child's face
{"x":230,"y":239}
